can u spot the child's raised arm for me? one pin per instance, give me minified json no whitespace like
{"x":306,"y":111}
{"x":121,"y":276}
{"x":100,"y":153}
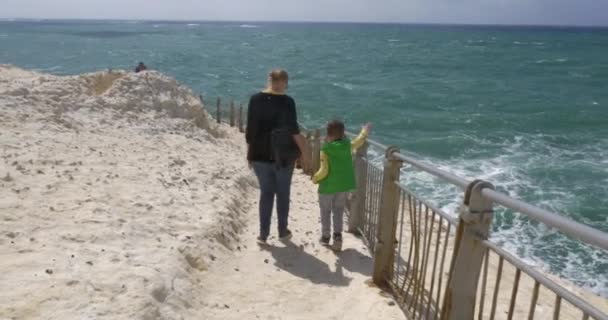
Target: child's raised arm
{"x":362,"y":137}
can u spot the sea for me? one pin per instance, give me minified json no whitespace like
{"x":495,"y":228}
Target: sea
{"x":523,"y":107}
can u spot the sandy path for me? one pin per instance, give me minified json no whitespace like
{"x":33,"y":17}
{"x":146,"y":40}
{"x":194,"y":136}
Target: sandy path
{"x":297,"y":280}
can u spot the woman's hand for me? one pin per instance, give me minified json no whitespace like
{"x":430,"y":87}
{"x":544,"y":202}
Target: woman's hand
{"x":368,"y":127}
{"x":303,"y":146}
{"x":304,"y":162}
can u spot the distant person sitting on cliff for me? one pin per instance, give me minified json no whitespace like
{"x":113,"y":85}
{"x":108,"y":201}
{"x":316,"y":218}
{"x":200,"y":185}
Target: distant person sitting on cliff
{"x":274,"y":143}
{"x":140,"y":67}
{"x":336,"y":178}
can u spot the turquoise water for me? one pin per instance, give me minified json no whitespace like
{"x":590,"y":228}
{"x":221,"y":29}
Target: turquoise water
{"x":525,"y":108}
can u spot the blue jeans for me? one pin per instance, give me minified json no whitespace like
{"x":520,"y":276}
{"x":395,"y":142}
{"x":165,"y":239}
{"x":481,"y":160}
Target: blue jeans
{"x":274,"y":181}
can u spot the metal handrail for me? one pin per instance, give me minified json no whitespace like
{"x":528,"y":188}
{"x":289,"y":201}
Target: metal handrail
{"x":452,"y":178}
{"x":552,"y":219}
{"x":377,"y":144}
{"x":451,"y":220}
{"x":565,"y":225}
{"x":545,"y":281}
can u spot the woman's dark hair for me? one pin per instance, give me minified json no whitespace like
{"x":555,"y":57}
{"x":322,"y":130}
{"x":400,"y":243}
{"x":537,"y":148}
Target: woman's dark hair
{"x":335,"y":129}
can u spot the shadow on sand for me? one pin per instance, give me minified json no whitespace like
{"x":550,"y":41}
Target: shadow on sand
{"x":354,"y":261}
{"x":300,"y":263}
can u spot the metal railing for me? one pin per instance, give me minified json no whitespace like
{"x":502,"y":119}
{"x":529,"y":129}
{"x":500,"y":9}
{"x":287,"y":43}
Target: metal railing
{"x":435,"y":255}
{"x":422,"y":256}
{"x":441,"y":267}
{"x":372,"y":204}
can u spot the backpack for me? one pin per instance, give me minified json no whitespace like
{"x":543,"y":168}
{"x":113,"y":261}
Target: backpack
{"x":283,"y":148}
{"x":285,"y":151}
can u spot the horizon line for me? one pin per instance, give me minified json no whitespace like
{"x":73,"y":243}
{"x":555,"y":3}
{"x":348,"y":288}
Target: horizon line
{"x":4,"y":19}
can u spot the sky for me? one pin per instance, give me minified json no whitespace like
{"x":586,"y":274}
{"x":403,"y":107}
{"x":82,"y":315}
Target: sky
{"x":530,"y":12}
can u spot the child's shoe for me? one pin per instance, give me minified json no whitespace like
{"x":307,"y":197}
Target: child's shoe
{"x":337,"y":246}
{"x":325,"y":241}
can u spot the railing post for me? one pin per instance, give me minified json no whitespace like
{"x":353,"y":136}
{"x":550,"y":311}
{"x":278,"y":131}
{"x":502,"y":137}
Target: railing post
{"x":200,"y":96}
{"x":384,"y":252}
{"x":476,"y":215}
{"x":316,"y":151}
{"x":241,"y":119}
{"x":232,"y":114}
{"x":357,"y":208}
{"x":218,"y":114}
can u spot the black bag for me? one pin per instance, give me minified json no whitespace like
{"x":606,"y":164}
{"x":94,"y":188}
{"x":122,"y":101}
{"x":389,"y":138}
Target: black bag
{"x":285,"y":151}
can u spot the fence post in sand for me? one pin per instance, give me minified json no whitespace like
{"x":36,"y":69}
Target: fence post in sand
{"x":232,"y":114}
{"x":308,"y":169}
{"x":218,"y":115}
{"x":241,"y":119}
{"x":473,"y":226}
{"x":316,"y":151}
{"x":357,"y":208}
{"x":384,"y":252}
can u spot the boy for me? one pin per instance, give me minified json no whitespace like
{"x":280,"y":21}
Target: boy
{"x":336,"y":178}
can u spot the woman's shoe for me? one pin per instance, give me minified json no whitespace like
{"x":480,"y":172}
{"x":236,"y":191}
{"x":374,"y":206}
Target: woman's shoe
{"x":262,"y":241}
{"x":286,"y":237}
{"x":325,"y":241}
{"x":337,"y":246}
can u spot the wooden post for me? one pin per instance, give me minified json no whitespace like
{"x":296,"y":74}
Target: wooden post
{"x":241,"y":119}
{"x":384,"y":252}
{"x":308,"y":169}
{"x":474,"y":225}
{"x":316,"y":151}
{"x":357,"y":208}
{"x":232,"y":114}
{"x":218,"y":114}
{"x":200,"y":116}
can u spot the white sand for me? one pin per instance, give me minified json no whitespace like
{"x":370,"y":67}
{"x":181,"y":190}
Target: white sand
{"x":120,"y":200}
{"x":109,"y":209}
{"x":296,"y":280}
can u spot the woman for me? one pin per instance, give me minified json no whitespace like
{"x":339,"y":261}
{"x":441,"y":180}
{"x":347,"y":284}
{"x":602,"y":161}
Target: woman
{"x":269,"y":111}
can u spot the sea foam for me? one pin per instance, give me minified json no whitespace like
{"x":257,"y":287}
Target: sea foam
{"x":515,"y":232}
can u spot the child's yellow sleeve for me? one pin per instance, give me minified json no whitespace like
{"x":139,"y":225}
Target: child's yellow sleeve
{"x":359,"y":140}
{"x":323,"y":170}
